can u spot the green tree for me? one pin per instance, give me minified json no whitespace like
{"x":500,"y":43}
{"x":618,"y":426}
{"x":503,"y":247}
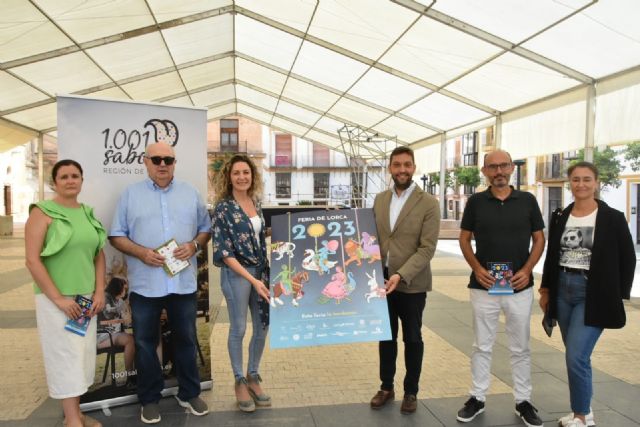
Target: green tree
{"x":434,"y":177}
{"x":467,"y":175}
{"x":609,"y":166}
{"x":449,"y":180}
{"x":632,"y":155}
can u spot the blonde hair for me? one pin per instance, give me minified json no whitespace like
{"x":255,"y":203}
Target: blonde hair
{"x":223,"y":187}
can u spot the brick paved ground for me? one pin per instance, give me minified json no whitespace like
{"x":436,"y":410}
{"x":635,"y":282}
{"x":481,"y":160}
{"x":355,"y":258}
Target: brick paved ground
{"x":299,"y":378}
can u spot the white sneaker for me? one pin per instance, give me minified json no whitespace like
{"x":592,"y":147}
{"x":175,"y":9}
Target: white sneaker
{"x":567,"y":419}
{"x":576,"y":422}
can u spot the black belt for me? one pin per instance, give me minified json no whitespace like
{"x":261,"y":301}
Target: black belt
{"x":574,"y":270}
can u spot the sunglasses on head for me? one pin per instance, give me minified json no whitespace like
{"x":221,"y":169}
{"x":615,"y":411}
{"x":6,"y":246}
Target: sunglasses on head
{"x":156,"y":160}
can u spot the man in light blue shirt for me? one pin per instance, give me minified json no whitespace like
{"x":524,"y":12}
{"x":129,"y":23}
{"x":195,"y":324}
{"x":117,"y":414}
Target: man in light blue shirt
{"x":149,"y":214}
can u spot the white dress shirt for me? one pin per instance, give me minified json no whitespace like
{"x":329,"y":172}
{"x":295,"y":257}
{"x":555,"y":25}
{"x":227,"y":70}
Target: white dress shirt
{"x":397,"y":203}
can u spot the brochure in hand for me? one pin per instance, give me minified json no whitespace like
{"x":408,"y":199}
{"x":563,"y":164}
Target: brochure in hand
{"x":79,"y":326}
{"x":172,"y":265}
{"x":502,"y":272}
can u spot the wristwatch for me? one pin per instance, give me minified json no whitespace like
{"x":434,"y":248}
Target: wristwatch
{"x":197,"y":245}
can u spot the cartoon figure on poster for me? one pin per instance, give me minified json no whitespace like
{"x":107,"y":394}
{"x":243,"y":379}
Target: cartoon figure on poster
{"x":502,"y":272}
{"x":334,"y":296}
{"x":280,"y":249}
{"x":291,"y":286}
{"x":375,"y":290}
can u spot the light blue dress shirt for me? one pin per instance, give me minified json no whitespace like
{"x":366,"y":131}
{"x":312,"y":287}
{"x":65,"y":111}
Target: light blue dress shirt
{"x":150,"y":216}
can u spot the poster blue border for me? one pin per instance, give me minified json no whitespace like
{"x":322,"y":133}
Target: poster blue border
{"x":327,"y":285}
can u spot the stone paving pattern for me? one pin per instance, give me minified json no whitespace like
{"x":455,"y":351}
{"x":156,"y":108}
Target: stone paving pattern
{"x":342,"y":378}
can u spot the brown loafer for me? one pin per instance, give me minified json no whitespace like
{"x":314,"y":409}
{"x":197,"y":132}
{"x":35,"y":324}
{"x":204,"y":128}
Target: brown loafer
{"x":381,"y":398}
{"x":409,"y":404}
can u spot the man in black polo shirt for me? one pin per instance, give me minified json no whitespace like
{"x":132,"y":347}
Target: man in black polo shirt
{"x":503,"y":222}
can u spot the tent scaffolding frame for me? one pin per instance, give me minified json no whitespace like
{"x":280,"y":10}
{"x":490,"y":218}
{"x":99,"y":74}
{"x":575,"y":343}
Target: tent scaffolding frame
{"x":366,"y":154}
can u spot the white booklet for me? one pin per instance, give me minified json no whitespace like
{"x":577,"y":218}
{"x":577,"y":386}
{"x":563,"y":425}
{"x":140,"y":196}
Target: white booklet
{"x":172,"y":265}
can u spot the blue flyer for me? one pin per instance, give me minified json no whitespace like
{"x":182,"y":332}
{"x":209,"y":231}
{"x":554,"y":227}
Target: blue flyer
{"x":326,"y":279}
{"x":502,"y":272}
{"x":79,"y":326}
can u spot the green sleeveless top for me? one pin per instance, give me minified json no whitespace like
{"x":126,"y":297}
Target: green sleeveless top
{"x":73,"y":240}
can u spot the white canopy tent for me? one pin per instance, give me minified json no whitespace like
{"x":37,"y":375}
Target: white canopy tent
{"x":555,"y":74}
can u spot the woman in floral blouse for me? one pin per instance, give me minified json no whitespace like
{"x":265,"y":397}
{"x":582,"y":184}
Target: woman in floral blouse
{"x":240,"y":250}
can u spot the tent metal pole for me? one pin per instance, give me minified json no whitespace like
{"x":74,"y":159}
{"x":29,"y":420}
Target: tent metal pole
{"x":40,"y":167}
{"x":590,"y":124}
{"x":498,"y":135}
{"x":443,"y":171}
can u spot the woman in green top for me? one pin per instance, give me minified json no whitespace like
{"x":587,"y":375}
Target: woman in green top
{"x":63,"y":243}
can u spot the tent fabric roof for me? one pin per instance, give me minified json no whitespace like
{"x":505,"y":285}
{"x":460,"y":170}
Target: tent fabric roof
{"x":403,"y":69}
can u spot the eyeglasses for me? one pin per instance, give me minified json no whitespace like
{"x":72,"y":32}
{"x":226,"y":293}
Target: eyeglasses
{"x":494,"y":167}
{"x":156,"y":160}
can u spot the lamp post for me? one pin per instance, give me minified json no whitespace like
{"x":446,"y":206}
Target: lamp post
{"x":424,"y":179}
{"x":519,"y":164}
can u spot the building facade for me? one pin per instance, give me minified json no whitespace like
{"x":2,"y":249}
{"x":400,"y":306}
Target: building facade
{"x":294,"y":171}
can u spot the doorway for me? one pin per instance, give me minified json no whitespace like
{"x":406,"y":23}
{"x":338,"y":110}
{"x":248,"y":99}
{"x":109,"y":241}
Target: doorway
{"x":555,"y":201}
{"x":7,"y":200}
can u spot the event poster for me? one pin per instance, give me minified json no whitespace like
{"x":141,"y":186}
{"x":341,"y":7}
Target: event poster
{"x":109,"y":138}
{"x":326,"y":279}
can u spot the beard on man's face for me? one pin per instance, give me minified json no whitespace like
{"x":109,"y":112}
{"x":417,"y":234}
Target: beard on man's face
{"x":500,"y":180}
{"x":403,"y":183}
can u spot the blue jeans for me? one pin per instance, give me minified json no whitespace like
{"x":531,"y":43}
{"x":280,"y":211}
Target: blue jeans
{"x":181,"y":316}
{"x":242,"y":297}
{"x":579,"y":339}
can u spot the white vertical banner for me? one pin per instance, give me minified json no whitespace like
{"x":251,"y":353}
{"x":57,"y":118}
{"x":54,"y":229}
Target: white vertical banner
{"x":108,"y":138}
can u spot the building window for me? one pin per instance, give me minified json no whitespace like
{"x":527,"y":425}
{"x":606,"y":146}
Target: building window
{"x":283,"y":185}
{"x":522,"y":175}
{"x":320,"y":155}
{"x":229,"y":135}
{"x":568,"y":157}
{"x":470,"y":149}
{"x":556,"y":165}
{"x":283,"y":151}
{"x":468,"y":189}
{"x":488,"y":140}
{"x":321,"y":186}
{"x":555,"y":200}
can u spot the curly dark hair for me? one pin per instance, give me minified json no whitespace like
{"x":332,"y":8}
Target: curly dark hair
{"x":223,"y":185}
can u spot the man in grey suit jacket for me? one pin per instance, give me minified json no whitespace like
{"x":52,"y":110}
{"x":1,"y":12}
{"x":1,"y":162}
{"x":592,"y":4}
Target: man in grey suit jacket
{"x":408,"y":222}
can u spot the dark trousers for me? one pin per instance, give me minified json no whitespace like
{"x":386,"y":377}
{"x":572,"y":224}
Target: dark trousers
{"x":408,"y":308}
{"x":181,"y":316}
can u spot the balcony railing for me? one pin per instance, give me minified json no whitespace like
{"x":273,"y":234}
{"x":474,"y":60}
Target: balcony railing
{"x":239,"y":147}
{"x":297,"y":199}
{"x":308,"y":161}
